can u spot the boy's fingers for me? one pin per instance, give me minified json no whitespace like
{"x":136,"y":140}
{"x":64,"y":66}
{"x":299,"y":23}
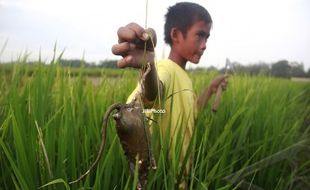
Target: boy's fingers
{"x":122,"y":63}
{"x":220,"y":81}
{"x":223,"y":78}
{"x":131,"y":33}
{"x":122,"y":48}
{"x":128,"y":61}
{"x":140,"y":32}
{"x":152,"y":35}
{"x":125,"y":34}
{"x":224,"y":85}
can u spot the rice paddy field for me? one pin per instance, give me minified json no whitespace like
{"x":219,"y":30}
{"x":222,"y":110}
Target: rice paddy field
{"x":50,"y":132}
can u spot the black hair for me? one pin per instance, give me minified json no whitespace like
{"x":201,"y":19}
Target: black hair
{"x":182,"y":16}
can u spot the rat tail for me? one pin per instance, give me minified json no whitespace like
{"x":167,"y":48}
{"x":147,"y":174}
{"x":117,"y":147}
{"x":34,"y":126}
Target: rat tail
{"x":103,"y":137}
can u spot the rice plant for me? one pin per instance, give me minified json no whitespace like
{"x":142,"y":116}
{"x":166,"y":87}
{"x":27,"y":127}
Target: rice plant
{"x":50,"y":123}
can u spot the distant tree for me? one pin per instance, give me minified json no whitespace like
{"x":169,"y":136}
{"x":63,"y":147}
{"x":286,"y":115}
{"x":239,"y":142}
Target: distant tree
{"x":281,"y":69}
{"x":297,"y":69}
{"x":257,"y":69}
{"x":197,"y":69}
{"x":71,"y":62}
{"x":264,"y":68}
{"x":231,"y":67}
{"x":212,"y":69}
{"x":237,"y":68}
{"x":108,"y":64}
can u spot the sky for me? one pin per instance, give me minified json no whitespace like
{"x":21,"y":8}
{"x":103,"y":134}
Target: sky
{"x":246,"y":31}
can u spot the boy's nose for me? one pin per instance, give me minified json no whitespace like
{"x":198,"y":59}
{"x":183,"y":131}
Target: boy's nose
{"x":203,"y":45}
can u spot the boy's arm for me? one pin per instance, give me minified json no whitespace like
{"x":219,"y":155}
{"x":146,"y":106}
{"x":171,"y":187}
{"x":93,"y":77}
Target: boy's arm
{"x":204,"y":98}
{"x":136,"y":46}
{"x":219,"y":82}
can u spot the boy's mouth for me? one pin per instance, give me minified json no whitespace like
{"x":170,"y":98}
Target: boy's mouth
{"x":199,"y":55}
{"x":196,"y":58}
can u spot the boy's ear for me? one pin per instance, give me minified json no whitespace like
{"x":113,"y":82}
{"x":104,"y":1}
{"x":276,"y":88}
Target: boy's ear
{"x":175,"y":34}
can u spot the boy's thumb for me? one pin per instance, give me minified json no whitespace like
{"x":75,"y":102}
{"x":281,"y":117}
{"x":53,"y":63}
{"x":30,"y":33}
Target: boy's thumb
{"x":150,"y":37}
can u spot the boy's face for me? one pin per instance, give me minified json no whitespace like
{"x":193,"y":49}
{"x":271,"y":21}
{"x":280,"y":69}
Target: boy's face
{"x":192,"y":45}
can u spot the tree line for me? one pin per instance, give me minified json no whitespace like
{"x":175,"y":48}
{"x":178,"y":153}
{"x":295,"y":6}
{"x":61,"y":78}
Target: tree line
{"x":281,"y":68}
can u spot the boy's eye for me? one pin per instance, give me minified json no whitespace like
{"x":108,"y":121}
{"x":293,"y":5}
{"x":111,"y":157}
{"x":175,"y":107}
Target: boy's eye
{"x":203,"y":35}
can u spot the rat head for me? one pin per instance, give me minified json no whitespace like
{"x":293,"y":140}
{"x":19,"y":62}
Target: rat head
{"x":128,"y":118}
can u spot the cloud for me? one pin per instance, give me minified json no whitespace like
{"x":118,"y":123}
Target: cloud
{"x":243,"y":31}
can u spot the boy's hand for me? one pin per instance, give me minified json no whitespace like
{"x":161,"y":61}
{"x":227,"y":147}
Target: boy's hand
{"x":220,"y":81}
{"x":217,"y":85}
{"x":135,"y":45}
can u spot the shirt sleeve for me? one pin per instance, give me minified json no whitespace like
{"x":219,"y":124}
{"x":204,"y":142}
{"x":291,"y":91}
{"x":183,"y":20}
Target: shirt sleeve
{"x":133,"y":93}
{"x":164,"y":76}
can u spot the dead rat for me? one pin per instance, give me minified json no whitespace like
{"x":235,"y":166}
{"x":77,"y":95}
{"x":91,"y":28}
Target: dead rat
{"x":134,"y":135}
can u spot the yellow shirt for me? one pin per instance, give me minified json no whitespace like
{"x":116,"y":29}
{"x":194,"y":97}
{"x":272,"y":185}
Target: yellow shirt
{"x":175,"y":111}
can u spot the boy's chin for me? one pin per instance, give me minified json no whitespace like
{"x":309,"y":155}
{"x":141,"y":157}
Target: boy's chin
{"x":195,"y":61}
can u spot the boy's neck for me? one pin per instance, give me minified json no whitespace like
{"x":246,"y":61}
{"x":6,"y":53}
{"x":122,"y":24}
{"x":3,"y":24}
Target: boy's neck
{"x":177,"y":59}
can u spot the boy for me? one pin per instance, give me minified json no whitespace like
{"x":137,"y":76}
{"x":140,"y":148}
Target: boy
{"x":169,"y":88}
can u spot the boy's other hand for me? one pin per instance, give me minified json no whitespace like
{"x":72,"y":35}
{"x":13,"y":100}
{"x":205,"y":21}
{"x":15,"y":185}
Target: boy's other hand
{"x":135,"y":45}
{"x":220,"y":81}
